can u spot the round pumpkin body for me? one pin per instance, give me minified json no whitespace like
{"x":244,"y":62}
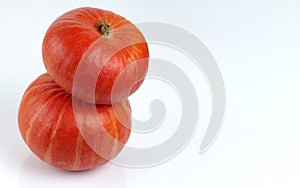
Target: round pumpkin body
{"x":85,"y":50}
{"x":69,"y":133}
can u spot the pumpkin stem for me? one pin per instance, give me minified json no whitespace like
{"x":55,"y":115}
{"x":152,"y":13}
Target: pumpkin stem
{"x":104,"y":28}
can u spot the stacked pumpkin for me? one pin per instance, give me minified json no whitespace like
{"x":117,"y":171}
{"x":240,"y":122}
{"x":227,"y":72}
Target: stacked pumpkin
{"x":77,"y":115}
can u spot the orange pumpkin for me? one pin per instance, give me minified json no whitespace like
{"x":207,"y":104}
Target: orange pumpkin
{"x":92,"y":47}
{"x":58,"y":136}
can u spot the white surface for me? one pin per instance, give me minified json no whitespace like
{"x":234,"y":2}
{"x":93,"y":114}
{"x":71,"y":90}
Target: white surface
{"x":256,"y":44}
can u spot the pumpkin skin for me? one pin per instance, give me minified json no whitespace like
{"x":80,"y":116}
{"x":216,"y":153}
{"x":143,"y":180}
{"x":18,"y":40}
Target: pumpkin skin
{"x":48,"y":126}
{"x":85,"y":50}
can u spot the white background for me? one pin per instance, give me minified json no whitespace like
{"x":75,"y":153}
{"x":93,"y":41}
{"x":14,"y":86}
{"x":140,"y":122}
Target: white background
{"x":256,"y":44}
